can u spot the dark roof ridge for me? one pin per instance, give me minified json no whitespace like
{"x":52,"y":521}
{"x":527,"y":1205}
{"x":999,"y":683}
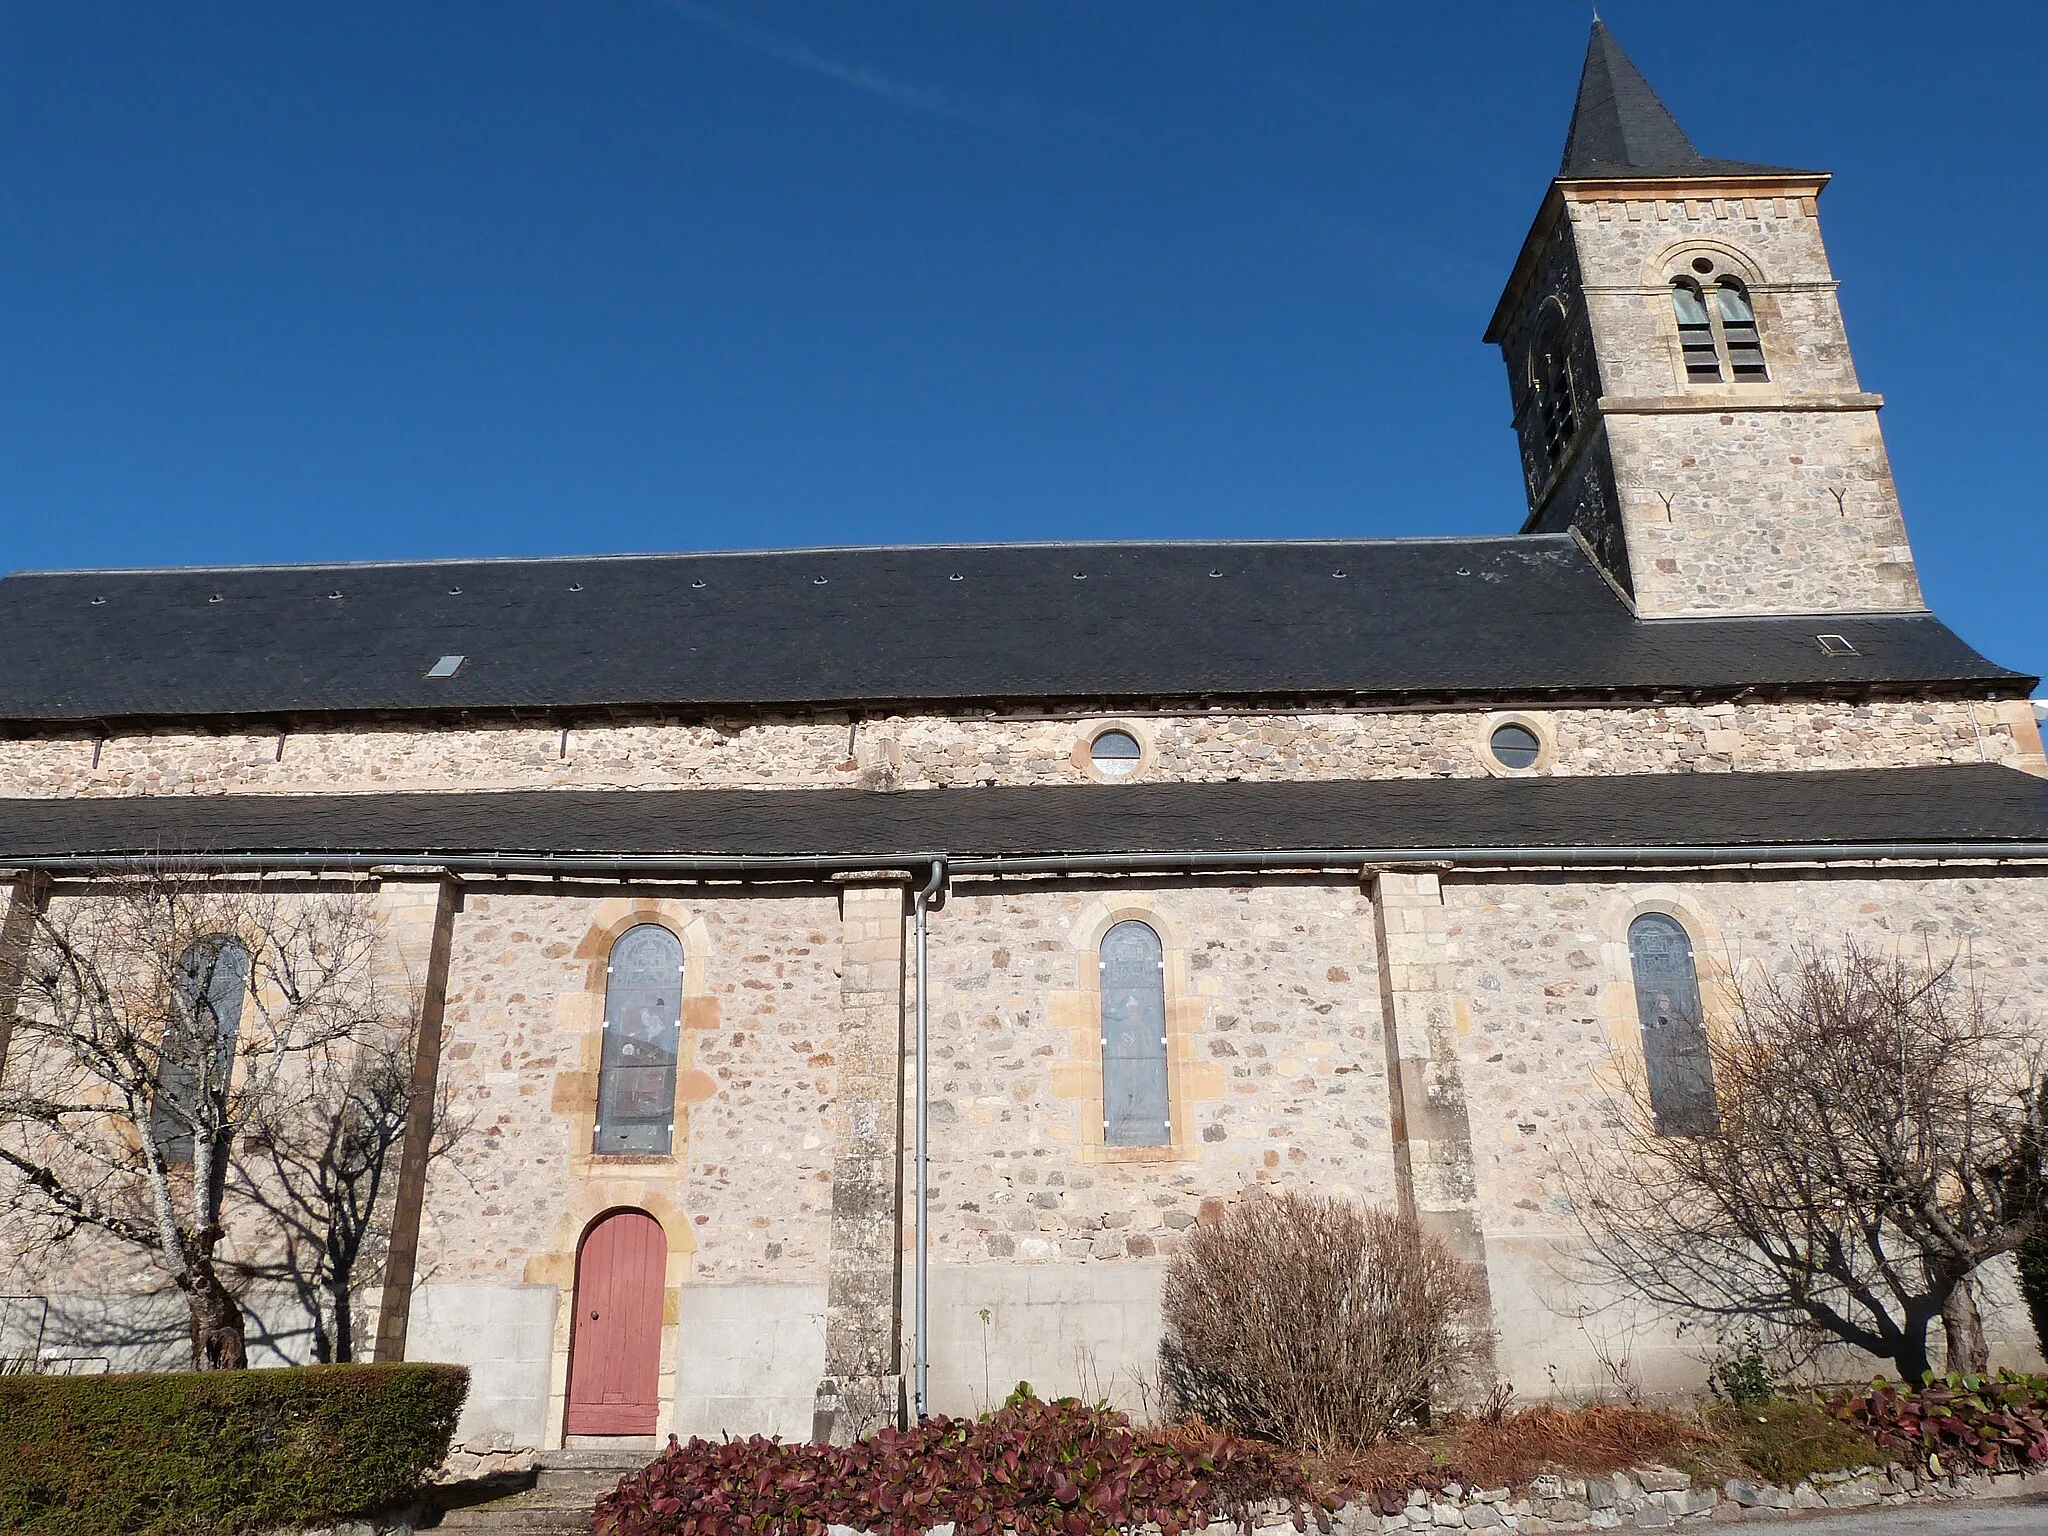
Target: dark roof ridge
{"x":1402,"y":541}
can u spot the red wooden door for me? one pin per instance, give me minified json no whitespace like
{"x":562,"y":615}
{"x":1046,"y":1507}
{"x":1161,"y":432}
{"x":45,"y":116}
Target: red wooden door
{"x":615,"y":1352}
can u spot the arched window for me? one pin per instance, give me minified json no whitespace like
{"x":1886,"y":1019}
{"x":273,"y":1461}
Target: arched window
{"x":196,"y":1063}
{"x":1675,"y":1056}
{"x":643,"y":1015}
{"x":1134,"y":1107}
{"x":1550,"y":372}
{"x":1738,"y":329}
{"x":1695,"y":334}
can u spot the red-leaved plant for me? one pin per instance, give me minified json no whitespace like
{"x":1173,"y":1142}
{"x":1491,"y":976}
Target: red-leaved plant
{"x":1033,"y":1467}
{"x":1959,"y":1424}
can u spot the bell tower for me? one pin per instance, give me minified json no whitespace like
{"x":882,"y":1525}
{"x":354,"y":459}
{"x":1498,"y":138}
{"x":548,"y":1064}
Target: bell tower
{"x":1683,"y":390}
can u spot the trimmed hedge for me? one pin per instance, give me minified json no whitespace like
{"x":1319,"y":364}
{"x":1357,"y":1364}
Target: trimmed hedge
{"x":1031,"y":1468}
{"x":221,"y":1452}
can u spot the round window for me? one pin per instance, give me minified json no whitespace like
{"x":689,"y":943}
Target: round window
{"x":1514,"y":745}
{"x":1115,"y":753}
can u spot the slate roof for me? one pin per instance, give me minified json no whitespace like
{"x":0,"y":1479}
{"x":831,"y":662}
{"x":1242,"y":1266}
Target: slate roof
{"x":1893,"y":806}
{"x":1521,"y":617}
{"x":1621,"y":130}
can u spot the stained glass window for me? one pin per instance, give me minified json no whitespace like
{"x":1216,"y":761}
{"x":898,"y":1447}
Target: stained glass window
{"x":196,"y":1063}
{"x":636,"y":1081}
{"x":1681,"y":1071}
{"x":1134,"y":1105}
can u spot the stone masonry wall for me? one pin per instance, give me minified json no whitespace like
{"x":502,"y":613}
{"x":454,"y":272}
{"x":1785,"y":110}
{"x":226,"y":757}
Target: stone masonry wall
{"x":1626,"y":253}
{"x":928,"y":751}
{"x":1753,"y":497}
{"x":1547,"y":999}
{"x":1752,"y":523}
{"x":749,"y":1185}
{"x":1278,"y":1065}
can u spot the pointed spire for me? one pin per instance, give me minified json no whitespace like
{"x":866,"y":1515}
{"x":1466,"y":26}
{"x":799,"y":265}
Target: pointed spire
{"x":1621,"y":130}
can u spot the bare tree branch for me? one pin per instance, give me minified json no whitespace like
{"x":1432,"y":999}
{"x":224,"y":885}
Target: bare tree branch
{"x":165,"y":1020}
{"x":1878,"y":1139}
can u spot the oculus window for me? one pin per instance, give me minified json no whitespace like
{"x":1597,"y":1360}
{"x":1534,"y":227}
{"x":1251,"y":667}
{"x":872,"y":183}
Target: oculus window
{"x":643,"y":1014}
{"x":1514,"y":745}
{"x":1115,"y":754}
{"x":1135,"y":1112}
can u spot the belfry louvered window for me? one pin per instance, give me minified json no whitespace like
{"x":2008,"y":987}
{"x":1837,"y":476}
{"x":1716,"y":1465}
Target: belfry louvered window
{"x":195,"y":1065}
{"x":636,"y":1078}
{"x":1695,"y":334}
{"x":1135,"y":1112}
{"x":1717,"y":333}
{"x":1679,"y":1067}
{"x":1551,"y":373}
{"x":1738,"y":329}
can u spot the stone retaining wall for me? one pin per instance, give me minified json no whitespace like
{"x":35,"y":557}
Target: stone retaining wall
{"x":1650,"y":1497}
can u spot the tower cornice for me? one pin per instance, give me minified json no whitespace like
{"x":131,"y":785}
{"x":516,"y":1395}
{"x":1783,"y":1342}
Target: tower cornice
{"x":1614,"y":189}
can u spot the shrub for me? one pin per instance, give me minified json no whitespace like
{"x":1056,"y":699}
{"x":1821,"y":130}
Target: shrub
{"x":1316,"y":1323}
{"x":220,"y":1451}
{"x":1035,"y":1468}
{"x":1742,"y":1375}
{"x":1960,"y":1424}
{"x":2032,"y":1265}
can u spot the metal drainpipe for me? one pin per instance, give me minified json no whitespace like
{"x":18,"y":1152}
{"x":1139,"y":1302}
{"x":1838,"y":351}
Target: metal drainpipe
{"x":921,"y":1314}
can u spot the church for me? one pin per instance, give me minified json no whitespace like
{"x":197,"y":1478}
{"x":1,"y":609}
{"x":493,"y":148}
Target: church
{"x":864,"y":964}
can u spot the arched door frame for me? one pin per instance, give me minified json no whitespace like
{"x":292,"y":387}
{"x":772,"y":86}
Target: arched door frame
{"x":659,"y":1345}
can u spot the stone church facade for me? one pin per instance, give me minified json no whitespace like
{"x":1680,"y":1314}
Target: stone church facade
{"x":1194,"y":867}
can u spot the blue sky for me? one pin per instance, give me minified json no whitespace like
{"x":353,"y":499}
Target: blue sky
{"x":502,"y":277}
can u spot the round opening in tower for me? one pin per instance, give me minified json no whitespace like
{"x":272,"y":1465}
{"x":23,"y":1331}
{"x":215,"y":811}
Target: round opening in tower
{"x":1514,"y":746}
{"x":1115,"y":754}
{"x":1701,"y":265}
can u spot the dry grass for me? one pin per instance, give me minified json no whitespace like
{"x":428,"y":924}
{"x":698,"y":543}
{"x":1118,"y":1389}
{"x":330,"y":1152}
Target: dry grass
{"x":1508,"y":1452}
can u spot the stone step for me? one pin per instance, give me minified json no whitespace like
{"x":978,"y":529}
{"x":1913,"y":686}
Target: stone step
{"x":560,"y":1496}
{"x":525,"y":1522}
{"x":514,"y":1515}
{"x":608,"y":1450}
{"x":588,"y":1483}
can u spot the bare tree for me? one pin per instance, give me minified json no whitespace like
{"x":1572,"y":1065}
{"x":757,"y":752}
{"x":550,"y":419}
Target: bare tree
{"x":160,"y":1015}
{"x":320,"y":1161}
{"x":1874,"y":1138}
